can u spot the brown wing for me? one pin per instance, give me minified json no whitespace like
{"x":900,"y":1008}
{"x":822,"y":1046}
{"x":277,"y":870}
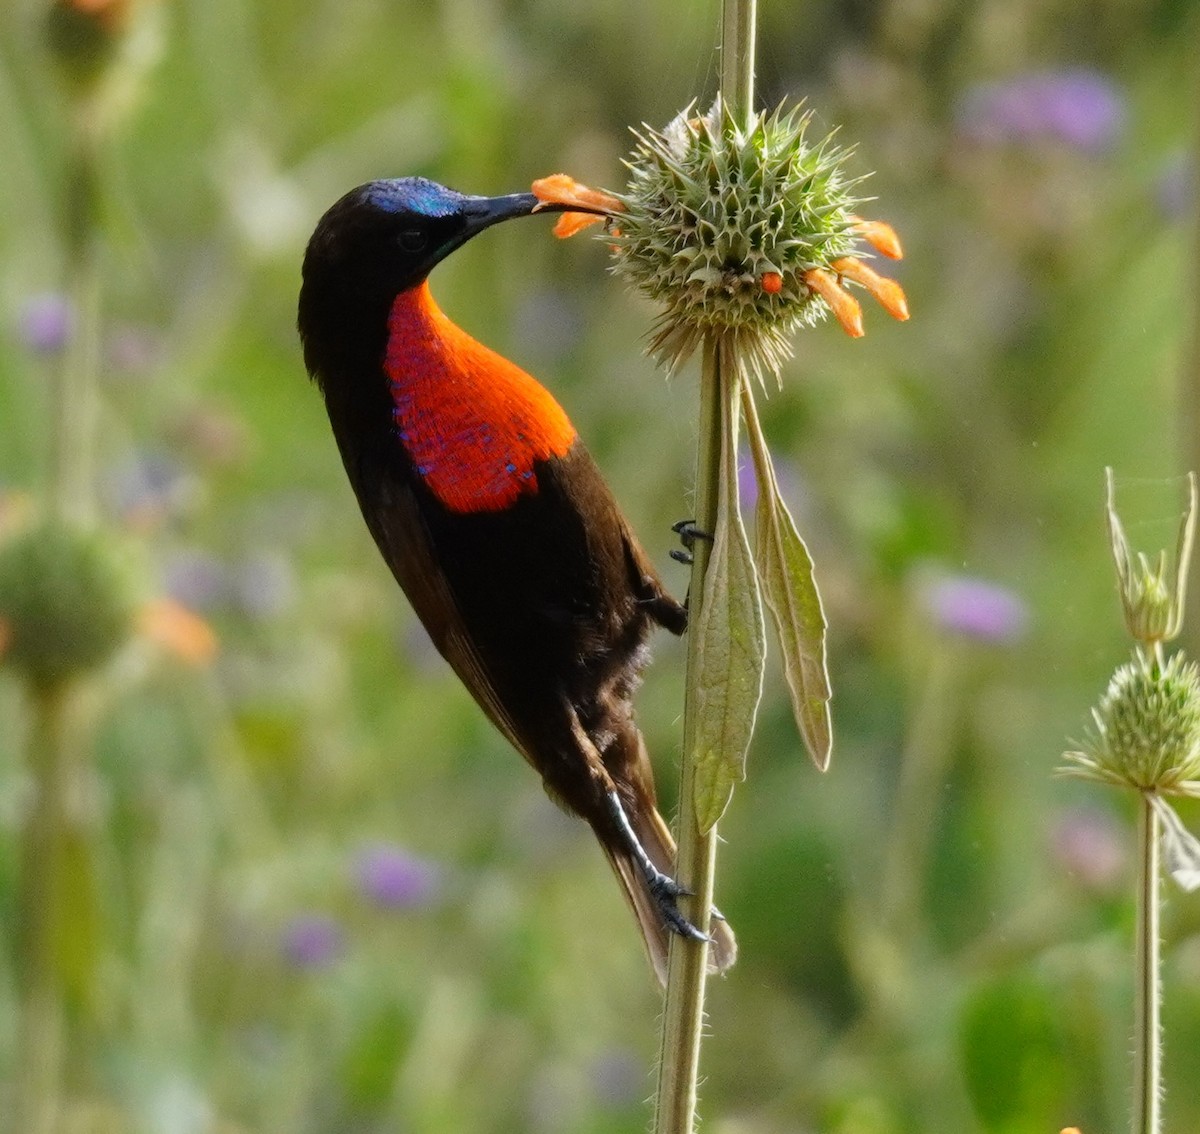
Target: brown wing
{"x":403,"y":539}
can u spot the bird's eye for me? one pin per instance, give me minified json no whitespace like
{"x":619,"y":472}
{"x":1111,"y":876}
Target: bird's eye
{"x":412,"y":239}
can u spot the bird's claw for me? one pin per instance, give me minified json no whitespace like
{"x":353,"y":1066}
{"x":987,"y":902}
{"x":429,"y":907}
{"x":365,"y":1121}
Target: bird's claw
{"x":688,"y":534}
{"x":664,"y":889}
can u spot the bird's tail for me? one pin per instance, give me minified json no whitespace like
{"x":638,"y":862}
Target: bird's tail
{"x":655,"y":837}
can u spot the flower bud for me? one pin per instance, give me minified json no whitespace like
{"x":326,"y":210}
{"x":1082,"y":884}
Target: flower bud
{"x":1147,"y":728}
{"x":1153,"y":597}
{"x":66,"y":601}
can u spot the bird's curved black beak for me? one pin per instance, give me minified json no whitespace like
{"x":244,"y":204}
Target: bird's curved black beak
{"x":479,"y":213}
{"x":483,"y":212}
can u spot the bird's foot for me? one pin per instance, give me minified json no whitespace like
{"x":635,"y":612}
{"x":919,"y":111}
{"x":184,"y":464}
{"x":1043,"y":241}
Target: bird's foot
{"x":688,"y":534}
{"x":665,"y":890}
{"x":662,"y":887}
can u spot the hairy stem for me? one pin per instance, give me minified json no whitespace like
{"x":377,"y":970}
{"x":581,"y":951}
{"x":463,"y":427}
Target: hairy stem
{"x":1147,"y":1038}
{"x":738,"y":19}
{"x":683,"y":1012}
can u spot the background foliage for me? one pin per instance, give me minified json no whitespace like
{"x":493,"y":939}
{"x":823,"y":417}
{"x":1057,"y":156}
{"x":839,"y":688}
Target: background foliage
{"x":324,"y":896}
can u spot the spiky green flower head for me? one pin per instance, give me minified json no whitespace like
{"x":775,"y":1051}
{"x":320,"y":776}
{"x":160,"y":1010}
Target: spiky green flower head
{"x":67,"y":600}
{"x":746,"y":231}
{"x":1147,"y":728}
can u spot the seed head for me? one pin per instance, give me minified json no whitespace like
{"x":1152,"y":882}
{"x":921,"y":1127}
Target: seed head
{"x":1147,"y":728}
{"x":66,"y":601}
{"x":749,"y":231}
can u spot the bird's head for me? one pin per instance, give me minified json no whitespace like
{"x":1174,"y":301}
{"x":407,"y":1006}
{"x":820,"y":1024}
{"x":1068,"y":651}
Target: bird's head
{"x":387,"y":236}
{"x":380,"y":239}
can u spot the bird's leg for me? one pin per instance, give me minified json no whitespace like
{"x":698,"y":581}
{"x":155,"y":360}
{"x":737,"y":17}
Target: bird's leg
{"x":663,"y":888}
{"x":688,"y":534}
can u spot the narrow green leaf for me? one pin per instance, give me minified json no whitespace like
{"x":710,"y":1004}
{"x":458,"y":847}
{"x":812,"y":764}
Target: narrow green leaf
{"x":731,"y":647}
{"x":786,"y":570}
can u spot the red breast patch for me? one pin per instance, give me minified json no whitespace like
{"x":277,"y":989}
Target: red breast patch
{"x":472,"y":422}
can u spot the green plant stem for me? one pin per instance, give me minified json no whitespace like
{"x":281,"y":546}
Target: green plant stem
{"x":74,"y":403}
{"x":43,"y":888}
{"x":1189,"y":383}
{"x":922,"y":768}
{"x":738,"y":20}
{"x":1147,"y":1084}
{"x":53,"y":884}
{"x":687,"y":967}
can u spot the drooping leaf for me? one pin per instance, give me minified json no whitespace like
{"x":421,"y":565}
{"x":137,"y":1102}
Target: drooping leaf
{"x":1181,"y":849}
{"x":731,"y":651}
{"x":786,"y":571}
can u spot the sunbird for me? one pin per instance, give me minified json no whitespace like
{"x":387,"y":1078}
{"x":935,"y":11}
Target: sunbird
{"x":496,"y":522}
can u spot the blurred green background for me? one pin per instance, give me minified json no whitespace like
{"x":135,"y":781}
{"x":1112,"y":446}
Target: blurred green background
{"x":308,"y":889}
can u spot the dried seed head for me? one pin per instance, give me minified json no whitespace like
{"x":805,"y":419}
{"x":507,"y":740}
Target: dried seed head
{"x":740,"y":231}
{"x":1147,"y":729}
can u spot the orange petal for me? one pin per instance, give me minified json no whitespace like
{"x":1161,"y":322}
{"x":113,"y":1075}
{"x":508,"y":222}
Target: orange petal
{"x":178,"y":631}
{"x":844,"y":306}
{"x":772,"y":283}
{"x":570,"y":223}
{"x":880,"y":236}
{"x":562,"y":189}
{"x":888,"y":292}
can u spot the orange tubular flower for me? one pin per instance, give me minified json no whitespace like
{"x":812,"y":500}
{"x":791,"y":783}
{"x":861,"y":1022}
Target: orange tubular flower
{"x":843,"y":305}
{"x":880,"y":236}
{"x":888,"y":292}
{"x":562,"y":189}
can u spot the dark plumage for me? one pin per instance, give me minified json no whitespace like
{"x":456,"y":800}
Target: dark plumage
{"x":495,"y":521}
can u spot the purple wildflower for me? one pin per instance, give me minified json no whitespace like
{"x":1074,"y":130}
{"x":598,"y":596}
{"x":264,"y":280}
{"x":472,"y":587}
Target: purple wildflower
{"x":976,"y":608}
{"x":394,"y":879}
{"x":312,"y":941}
{"x":1088,"y":844}
{"x":1079,"y":108}
{"x":47,"y":322}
